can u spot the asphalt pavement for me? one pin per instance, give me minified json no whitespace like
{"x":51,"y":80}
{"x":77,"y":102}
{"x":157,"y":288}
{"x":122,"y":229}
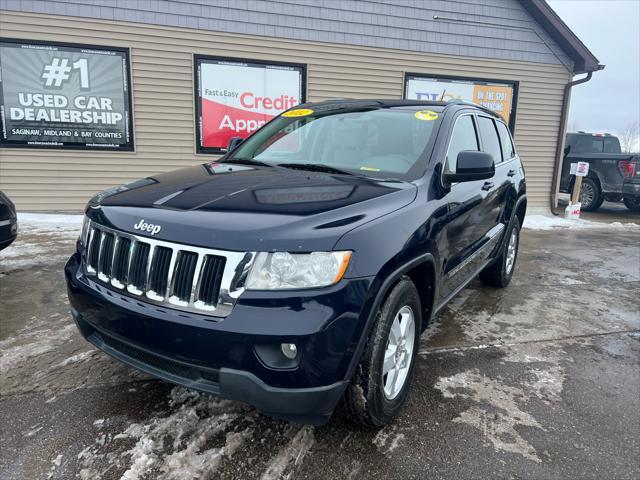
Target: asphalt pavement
{"x":538,"y":380}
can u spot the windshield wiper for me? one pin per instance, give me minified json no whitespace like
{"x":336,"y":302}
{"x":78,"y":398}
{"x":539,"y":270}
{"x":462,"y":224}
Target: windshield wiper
{"x":247,"y":161}
{"x":315,"y":167}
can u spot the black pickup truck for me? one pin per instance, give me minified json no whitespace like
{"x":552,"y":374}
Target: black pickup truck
{"x":613,"y":176}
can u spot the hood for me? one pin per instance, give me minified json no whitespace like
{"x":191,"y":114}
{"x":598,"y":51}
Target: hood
{"x":250,"y":208}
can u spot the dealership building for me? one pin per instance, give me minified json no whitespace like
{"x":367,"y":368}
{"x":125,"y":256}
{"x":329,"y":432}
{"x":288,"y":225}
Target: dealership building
{"x":99,"y":93}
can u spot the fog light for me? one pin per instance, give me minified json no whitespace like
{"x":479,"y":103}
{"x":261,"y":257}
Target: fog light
{"x":289,"y":350}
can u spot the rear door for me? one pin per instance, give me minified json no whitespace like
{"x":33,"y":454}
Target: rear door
{"x":498,"y":187}
{"x":511,"y":166}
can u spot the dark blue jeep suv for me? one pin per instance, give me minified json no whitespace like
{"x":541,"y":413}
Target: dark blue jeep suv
{"x":298,"y":271}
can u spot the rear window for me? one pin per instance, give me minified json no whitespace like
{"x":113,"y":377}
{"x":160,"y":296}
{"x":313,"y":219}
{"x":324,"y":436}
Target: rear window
{"x":589,"y":145}
{"x":508,"y":150}
{"x":490,"y":140}
{"x":596,"y":144}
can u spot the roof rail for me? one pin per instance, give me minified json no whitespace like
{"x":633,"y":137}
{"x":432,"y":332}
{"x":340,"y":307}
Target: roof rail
{"x":458,"y":101}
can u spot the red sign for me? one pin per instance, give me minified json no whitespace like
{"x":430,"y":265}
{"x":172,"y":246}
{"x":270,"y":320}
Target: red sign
{"x":235,"y":99}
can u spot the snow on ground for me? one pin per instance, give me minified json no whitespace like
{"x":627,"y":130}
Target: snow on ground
{"x":551,"y":222}
{"x":189,"y":441}
{"x":80,"y":357}
{"x":388,"y":439}
{"x":33,"y":340}
{"x":292,"y":453}
{"x":498,"y":409}
{"x":43,"y":239}
{"x":62,"y":224}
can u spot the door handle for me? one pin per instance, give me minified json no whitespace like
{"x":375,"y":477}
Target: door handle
{"x":511,"y":173}
{"x":487,"y":186}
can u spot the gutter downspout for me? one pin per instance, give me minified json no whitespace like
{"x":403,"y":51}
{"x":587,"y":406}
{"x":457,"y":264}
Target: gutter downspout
{"x":557,"y":168}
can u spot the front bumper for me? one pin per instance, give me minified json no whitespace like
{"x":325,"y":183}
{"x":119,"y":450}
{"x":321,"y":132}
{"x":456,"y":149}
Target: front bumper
{"x":221,"y":357}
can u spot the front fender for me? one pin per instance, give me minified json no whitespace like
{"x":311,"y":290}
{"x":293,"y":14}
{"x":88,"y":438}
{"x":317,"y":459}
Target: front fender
{"x":380,"y":287}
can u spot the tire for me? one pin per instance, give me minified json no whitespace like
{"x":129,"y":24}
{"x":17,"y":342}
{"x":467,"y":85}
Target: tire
{"x":632,"y":203}
{"x":591,"y":196}
{"x":371,"y":399}
{"x":500,"y":272}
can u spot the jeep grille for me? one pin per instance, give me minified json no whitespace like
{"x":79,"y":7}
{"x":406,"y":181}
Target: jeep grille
{"x":179,"y":276}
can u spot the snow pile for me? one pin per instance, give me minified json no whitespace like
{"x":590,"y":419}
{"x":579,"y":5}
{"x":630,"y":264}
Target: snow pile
{"x":191,"y":441}
{"x":550,"y":222}
{"x":67,"y":225}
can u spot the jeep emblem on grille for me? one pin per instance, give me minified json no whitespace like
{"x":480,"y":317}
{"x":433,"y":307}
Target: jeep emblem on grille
{"x":147,"y":227}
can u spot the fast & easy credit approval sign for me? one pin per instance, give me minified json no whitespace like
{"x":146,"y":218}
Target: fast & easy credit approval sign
{"x":64,"y":96}
{"x":495,"y":95}
{"x":235,"y":97}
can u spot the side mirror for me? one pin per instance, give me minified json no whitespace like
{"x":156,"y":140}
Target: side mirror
{"x":472,"y":165}
{"x":234,"y":142}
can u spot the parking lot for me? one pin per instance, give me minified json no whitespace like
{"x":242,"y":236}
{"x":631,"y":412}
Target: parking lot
{"x":540,"y":380}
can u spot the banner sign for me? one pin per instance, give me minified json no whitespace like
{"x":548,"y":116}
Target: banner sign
{"x":499,"y":96}
{"x":236,"y":97}
{"x":64,"y":96}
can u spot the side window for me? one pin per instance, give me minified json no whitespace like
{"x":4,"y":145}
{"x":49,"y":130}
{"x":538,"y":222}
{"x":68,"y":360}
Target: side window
{"x":463,"y":138}
{"x":490,"y":140}
{"x":508,"y":151}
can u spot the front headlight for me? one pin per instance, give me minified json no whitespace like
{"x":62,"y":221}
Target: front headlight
{"x":283,"y":270}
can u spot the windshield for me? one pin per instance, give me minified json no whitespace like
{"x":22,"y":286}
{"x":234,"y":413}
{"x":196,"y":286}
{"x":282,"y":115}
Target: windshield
{"x":381,"y":143}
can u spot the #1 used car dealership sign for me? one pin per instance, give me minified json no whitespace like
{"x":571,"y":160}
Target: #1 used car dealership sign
{"x":236,"y":97}
{"x":64,"y":96}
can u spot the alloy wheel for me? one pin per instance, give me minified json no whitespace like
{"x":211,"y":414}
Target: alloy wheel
{"x":399,"y":353}
{"x":512,"y":250}
{"x":587,"y":195}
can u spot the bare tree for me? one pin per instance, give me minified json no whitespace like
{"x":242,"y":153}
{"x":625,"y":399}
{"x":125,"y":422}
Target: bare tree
{"x":630,"y":138}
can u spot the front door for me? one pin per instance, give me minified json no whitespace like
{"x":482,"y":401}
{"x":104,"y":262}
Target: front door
{"x":471,"y":221}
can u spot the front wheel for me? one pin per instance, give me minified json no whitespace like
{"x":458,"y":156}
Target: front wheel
{"x":381,"y":382}
{"x":632,"y":203}
{"x":500,"y":272}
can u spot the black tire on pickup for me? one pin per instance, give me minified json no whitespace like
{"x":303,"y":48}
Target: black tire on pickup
{"x":499,"y":273}
{"x":591,"y":196}
{"x":370,"y":399}
{"x":632,"y":203}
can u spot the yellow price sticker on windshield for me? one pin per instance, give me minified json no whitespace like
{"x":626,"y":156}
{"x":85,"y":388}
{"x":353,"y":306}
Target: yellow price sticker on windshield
{"x":426,"y":115}
{"x":300,"y":112}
